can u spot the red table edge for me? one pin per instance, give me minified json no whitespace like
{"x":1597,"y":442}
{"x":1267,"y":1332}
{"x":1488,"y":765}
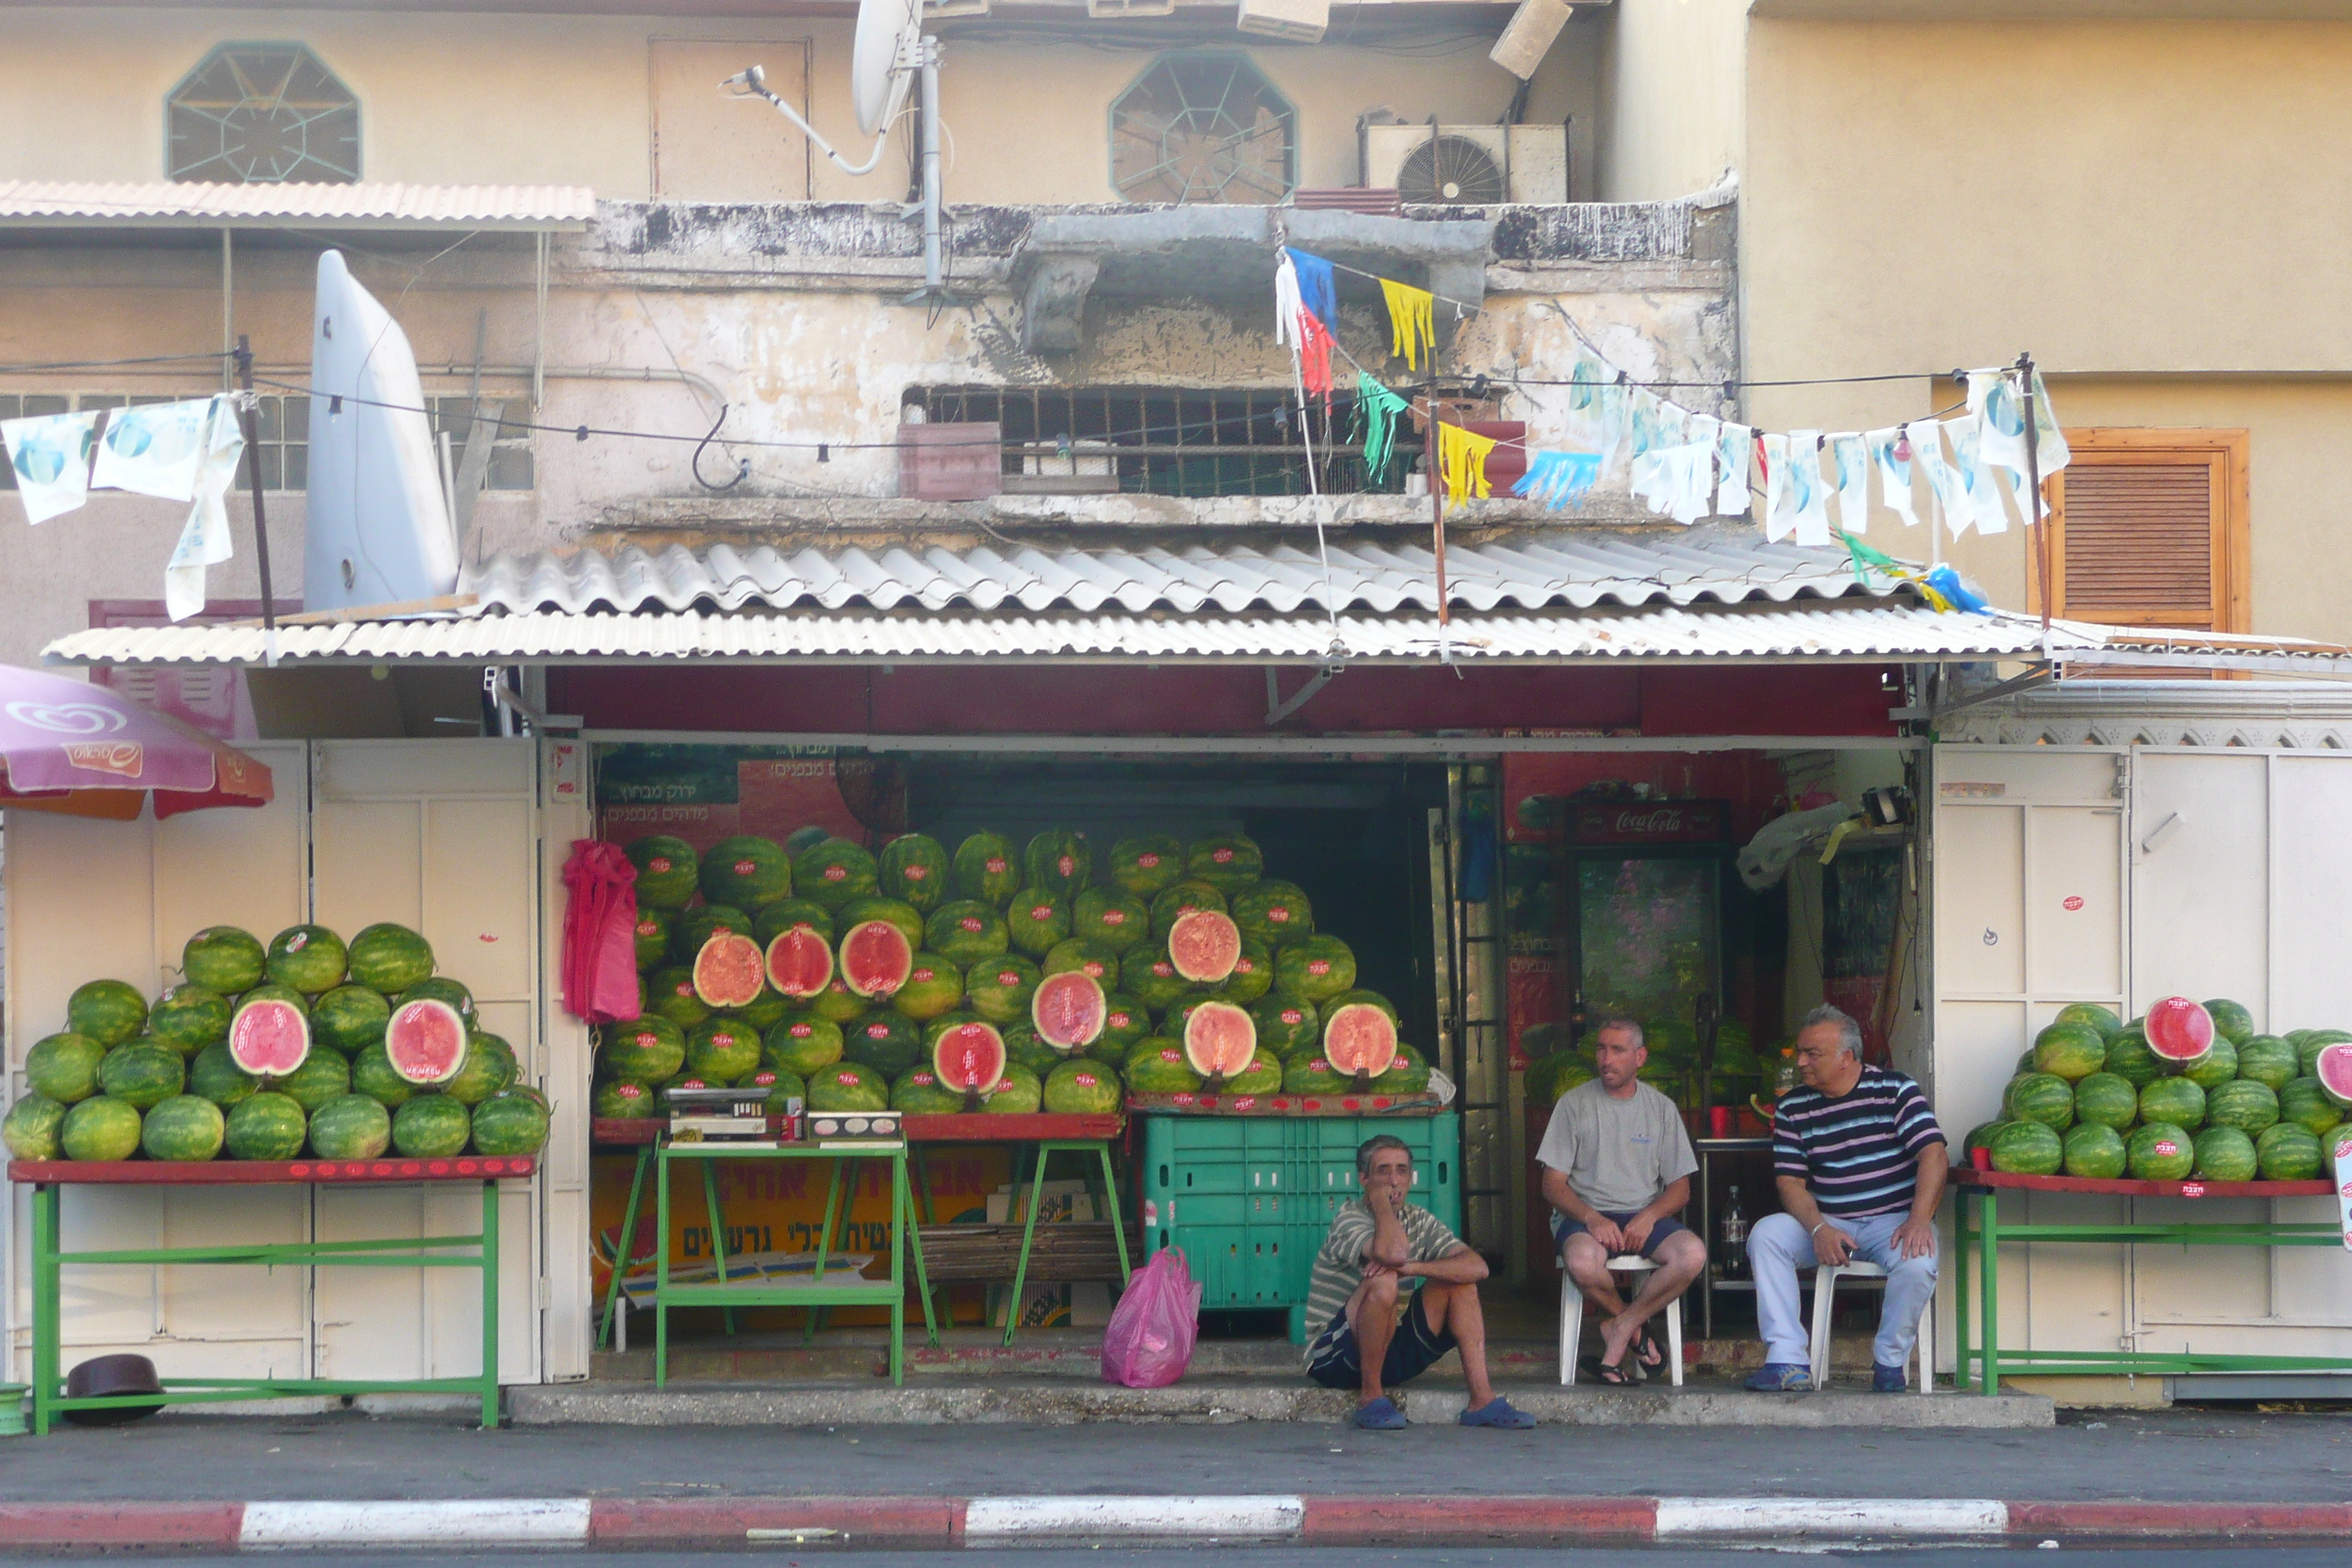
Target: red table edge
{"x":269,"y":1172}
{"x":983,"y":1127}
{"x":1963,"y":1176}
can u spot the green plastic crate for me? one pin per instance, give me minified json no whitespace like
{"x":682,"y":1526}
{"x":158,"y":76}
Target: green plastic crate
{"x":1250,"y":1198}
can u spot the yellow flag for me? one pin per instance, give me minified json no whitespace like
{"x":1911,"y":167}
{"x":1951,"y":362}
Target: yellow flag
{"x":1413,"y":321}
{"x":1462,"y":460}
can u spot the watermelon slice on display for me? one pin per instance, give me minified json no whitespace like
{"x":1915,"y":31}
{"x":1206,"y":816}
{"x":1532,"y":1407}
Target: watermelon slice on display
{"x":971,"y":1060}
{"x":2180,"y":1032}
{"x":1069,"y":1010}
{"x":1220,"y":1041}
{"x":270,"y":1038}
{"x":425,"y":1041}
{"x":800,"y":963}
{"x":1360,"y":1040}
{"x":2333,"y":1069}
{"x":730,"y":971}
{"x":1204,"y":945}
{"x":876,"y":958}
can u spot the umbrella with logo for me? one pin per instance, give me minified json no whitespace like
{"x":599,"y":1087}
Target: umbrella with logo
{"x":68,"y":746}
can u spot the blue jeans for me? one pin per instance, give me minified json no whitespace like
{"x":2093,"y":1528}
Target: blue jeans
{"x":1778,"y":1246}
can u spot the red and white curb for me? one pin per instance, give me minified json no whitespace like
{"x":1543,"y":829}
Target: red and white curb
{"x":936,"y":1522}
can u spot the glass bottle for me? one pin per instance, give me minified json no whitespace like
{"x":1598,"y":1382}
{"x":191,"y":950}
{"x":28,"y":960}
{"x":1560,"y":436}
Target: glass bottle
{"x":1731,"y":1238}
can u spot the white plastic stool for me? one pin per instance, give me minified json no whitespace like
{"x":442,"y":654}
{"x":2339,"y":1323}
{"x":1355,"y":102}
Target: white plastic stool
{"x":1571,"y":1319}
{"x":1825,"y":1280}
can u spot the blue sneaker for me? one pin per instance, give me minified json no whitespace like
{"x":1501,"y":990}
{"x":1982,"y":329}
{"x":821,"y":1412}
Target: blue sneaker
{"x":1381,"y":1415}
{"x":1782,"y":1377}
{"x":1889,"y":1380}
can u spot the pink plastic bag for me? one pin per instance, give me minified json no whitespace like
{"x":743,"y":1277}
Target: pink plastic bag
{"x":1149,"y":1341}
{"x":600,"y":933}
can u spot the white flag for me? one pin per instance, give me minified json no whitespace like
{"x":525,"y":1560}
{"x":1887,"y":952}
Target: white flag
{"x":1809,"y":498}
{"x":1966,"y":432}
{"x":204,"y":539}
{"x":1849,"y":457}
{"x":154,"y":450}
{"x":1779,"y":520}
{"x":50,"y":453}
{"x":1926,"y":438}
{"x":1731,"y":488}
{"x":1893,"y":472}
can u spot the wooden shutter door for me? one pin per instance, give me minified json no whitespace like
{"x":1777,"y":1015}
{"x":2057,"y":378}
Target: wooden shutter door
{"x":2148,"y":529}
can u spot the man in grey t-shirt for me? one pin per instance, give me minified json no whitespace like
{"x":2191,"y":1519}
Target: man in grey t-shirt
{"x":1617,"y":1165}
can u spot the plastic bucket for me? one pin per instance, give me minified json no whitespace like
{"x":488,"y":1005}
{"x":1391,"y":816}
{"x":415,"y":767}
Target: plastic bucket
{"x":11,"y":1409}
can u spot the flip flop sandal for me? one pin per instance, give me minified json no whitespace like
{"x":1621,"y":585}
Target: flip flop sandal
{"x":1602,"y":1371}
{"x":1648,"y":1354}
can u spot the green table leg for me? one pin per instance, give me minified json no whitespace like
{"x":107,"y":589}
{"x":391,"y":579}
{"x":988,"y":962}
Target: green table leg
{"x":628,"y":1236}
{"x":1117,"y":1223}
{"x":661,"y":1269}
{"x":922,"y":1180}
{"x":490,"y":1306}
{"x":45,"y":1306}
{"x":824,"y":1247}
{"x":1991,"y":1241}
{"x":1960,"y":1329}
{"x":716,"y":1216}
{"x":922,"y":1274}
{"x":1038,"y":1161}
{"x":902,"y":1205}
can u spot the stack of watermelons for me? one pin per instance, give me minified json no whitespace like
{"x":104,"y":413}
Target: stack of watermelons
{"x":1000,"y":976}
{"x":2190,"y":1089}
{"x":348,"y":1051}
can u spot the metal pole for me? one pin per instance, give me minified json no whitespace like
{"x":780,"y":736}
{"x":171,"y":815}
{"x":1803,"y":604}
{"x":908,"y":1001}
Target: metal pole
{"x":1436,"y":496}
{"x":934,"y":278}
{"x":2041,"y":523}
{"x":253,"y":472}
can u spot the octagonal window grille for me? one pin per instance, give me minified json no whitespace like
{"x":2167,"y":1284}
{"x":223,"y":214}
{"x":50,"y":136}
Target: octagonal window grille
{"x":1203,"y":127}
{"x":261,"y":114}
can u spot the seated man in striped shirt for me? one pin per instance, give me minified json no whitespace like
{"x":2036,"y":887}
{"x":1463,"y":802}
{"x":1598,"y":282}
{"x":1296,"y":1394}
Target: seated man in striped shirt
{"x":1860,"y":1163}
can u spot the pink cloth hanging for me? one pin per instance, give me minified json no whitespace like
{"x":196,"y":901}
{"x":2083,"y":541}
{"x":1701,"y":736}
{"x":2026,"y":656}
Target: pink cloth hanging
{"x":600,"y":933}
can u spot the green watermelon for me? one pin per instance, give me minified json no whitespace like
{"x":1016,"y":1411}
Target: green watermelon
{"x":266,"y":1126}
{"x":2174,"y":1102}
{"x":2303,"y":1103}
{"x":308,"y":958}
{"x":374,"y":1075}
{"x":1147,"y":975}
{"x":441,"y":989}
{"x":107,"y":1011}
{"x":2028,"y":1148}
{"x":64,"y":1067}
{"x":887,"y":1041}
{"x":998,"y":989}
{"x":895,"y":912}
{"x":933,"y":986}
{"x":914,"y":868}
{"x":1019,"y":1093}
{"x":2039,"y":1096}
{"x":774,"y":919}
{"x":1264,"y":1075}
{"x":350,"y":1018}
{"x":1273,"y":912}
{"x":431,"y":1127}
{"x":745,"y":872}
{"x":918,"y":1092}
{"x":1082,"y":1089}
{"x":722,"y":1051}
{"x":1981,"y":1136}
{"x":2161,"y":1151}
{"x":350,"y":1127}
{"x":2215,"y":1068}
{"x":1093,"y":959}
{"x":2287,"y":1152}
{"x":390,"y":958}
{"x":143,"y":1074}
{"x":1036,"y":920}
{"x":489,"y":1067}
{"x":2267,"y":1060}
{"x":2232,"y":1022}
{"x":184,"y":1127}
{"x":691,"y":929}
{"x":668,"y":870}
{"x":32,"y":1126}
{"x":967,"y":932}
{"x":2129,"y":1058}
{"x":2094,"y":1150}
{"x":2071,"y":1051}
{"x":323,"y":1076}
{"x":215,"y":1076}
{"x":622,"y":1100}
{"x":187,"y":1018}
{"x":670,"y":993}
{"x":100,"y":1128}
{"x":783,"y":1089}
{"x":2309,"y":1043}
{"x":1409,"y":1074}
{"x":2225,"y":1154}
{"x":1252,"y":975}
{"x":987,"y":869}
{"x":224,"y":959}
{"x":1157,"y":1066}
{"x":803,"y":1044}
{"x":1023,"y":1048}
{"x":1317,"y":968}
{"x":1182,"y":899}
{"x":1110,"y":918}
{"x":765,"y":1011}
{"x":2107,"y":1100}
{"x":653,"y":936}
{"x":507,"y":1125}
{"x":834,"y":873}
{"x":1058,"y":862}
{"x":1125,"y":1021}
{"x":649,"y":1049}
{"x":848,"y":1086}
{"x":2091,"y":1013}
{"x":1145,"y":865}
{"x":1288,"y":1025}
{"x":1310,"y":1074}
{"x":2245,"y":1105}
{"x":1226,"y":861}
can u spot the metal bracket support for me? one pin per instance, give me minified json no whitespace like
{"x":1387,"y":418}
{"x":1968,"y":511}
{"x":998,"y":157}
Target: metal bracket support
{"x":1278,"y":707}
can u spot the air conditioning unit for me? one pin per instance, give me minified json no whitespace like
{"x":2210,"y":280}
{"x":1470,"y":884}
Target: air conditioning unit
{"x":942,"y":9}
{"x":1298,"y":21}
{"x":1467,"y":166}
{"x":1100,"y":8}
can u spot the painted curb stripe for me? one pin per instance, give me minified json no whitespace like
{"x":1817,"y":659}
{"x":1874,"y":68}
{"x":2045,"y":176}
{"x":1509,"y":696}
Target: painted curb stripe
{"x":1256,"y":1518}
{"x":128,"y":1524}
{"x":537,"y":1522}
{"x":885,"y":1520}
{"x":2198,"y":1521}
{"x":1683,"y":1517}
{"x":1533,"y":1520}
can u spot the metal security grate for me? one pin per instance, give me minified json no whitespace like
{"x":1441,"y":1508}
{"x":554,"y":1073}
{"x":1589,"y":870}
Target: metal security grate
{"x":1166,"y":441}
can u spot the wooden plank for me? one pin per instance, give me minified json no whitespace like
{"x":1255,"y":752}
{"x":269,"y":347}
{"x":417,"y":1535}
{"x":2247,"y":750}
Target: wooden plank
{"x":1967,"y":1177}
{"x":265,"y":1172}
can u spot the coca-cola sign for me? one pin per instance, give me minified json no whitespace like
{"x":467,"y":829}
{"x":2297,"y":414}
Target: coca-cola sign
{"x":1653,"y":822}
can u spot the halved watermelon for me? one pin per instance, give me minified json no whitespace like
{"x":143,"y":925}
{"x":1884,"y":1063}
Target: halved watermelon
{"x":2332,"y":1067}
{"x":970,"y":1058}
{"x":800,"y":963}
{"x":425,"y":1041}
{"x":876,"y":958}
{"x":1359,"y":1039}
{"x":270,"y":1038}
{"x":1068,"y":1010}
{"x":1204,"y":945}
{"x":730,"y":971}
{"x":1220,"y":1040}
{"x":2180,"y":1032}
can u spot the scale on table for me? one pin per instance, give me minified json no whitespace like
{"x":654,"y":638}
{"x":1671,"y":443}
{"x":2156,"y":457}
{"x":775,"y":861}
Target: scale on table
{"x":723,"y":1116}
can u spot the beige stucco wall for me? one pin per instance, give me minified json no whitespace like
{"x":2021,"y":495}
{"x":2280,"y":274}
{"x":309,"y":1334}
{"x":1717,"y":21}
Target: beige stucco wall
{"x":1672,"y":96}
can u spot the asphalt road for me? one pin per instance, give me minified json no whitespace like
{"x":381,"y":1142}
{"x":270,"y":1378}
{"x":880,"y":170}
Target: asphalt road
{"x":1291,"y":1557}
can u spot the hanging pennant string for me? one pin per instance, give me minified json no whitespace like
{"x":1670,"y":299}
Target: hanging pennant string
{"x":1316,"y":289}
{"x":1462,"y":460}
{"x":1412,"y":322}
{"x":1296,"y":326}
{"x":1315,"y":345}
{"x":1559,"y":479}
{"x":1376,"y":415}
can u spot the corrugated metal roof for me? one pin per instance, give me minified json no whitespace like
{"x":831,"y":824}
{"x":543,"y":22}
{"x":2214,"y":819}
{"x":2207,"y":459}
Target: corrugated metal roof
{"x":82,"y":204}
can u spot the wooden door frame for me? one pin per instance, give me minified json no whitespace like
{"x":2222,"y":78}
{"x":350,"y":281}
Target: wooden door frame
{"x":2100,"y":446}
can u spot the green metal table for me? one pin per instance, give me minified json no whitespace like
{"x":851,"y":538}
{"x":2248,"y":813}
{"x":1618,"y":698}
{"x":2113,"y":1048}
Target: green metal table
{"x":48,"y":1178}
{"x":1983,"y":1354}
{"x":816,"y":1294}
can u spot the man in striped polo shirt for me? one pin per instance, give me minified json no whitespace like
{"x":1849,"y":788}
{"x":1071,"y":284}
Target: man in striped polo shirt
{"x":1860,"y":1164}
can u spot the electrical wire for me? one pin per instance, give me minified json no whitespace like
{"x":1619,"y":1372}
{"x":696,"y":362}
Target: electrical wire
{"x":46,"y":366}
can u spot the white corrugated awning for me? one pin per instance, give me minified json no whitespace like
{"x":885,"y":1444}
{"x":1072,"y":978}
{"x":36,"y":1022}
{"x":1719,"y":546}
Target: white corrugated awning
{"x":89,"y":204}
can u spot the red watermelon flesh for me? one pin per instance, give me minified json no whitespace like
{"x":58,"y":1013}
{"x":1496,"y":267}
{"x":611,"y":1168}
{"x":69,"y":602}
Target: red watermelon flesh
{"x":731,"y":971}
{"x":2334,"y":1071}
{"x":2179,"y":1031}
{"x":1220,"y":1040}
{"x":1069,"y":1010}
{"x":876,"y":959}
{"x":425,"y":1041}
{"x":800,"y":963}
{"x":270,"y":1038}
{"x":969,"y":1058}
{"x":1205,"y":946}
{"x":1358,"y":1038}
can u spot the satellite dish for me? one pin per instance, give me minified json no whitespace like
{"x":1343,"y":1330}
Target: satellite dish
{"x":879,"y":79}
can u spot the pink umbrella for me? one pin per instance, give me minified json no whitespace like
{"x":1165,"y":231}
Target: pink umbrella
{"x":71,"y":747}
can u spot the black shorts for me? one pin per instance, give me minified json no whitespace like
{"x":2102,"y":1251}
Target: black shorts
{"x":1335,"y":1362}
{"x":1562,"y":1228}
